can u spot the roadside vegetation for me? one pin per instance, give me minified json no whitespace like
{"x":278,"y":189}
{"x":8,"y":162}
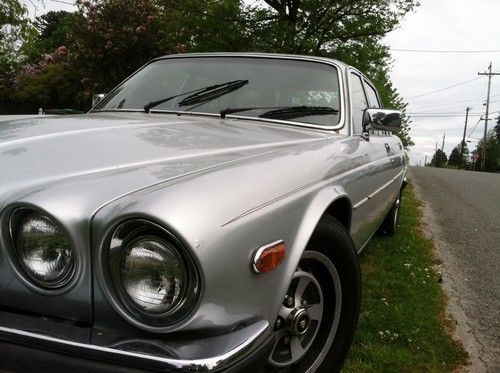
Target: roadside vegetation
{"x":460,"y":158}
{"x":402,"y":326}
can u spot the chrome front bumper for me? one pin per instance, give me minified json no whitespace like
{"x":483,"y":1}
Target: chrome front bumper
{"x":217,"y":353}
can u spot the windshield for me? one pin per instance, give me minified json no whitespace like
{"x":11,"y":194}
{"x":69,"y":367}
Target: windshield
{"x":267,"y":83}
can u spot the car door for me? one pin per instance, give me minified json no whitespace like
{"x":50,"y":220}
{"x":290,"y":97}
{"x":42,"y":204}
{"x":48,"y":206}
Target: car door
{"x":363,"y":222}
{"x":389,"y":165}
{"x":372,"y":196}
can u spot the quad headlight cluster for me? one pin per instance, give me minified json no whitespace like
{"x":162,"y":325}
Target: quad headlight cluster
{"x":43,"y":250}
{"x":147,"y":274}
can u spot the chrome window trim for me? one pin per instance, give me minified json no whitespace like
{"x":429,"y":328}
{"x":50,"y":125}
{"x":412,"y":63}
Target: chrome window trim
{"x":377,"y":95}
{"x":351,"y":111}
{"x":332,"y":63}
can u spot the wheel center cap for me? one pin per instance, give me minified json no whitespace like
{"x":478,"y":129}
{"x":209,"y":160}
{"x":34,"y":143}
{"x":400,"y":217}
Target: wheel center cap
{"x":300,"y":322}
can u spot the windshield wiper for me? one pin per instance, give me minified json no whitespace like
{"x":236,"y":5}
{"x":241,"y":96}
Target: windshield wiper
{"x":298,"y":111}
{"x":284,"y":112}
{"x":201,"y":94}
{"x":213,"y":92}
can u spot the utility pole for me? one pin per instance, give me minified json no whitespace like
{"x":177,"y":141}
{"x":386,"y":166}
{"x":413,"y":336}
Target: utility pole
{"x":463,"y":138}
{"x":489,"y":74}
{"x":442,"y":146}
{"x":425,"y":162}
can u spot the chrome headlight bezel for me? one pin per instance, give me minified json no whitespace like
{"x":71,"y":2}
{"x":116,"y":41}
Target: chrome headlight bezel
{"x":10,"y":221}
{"x":109,"y":258}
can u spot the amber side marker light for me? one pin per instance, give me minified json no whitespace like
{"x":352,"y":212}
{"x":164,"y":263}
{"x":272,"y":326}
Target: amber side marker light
{"x":268,"y":257}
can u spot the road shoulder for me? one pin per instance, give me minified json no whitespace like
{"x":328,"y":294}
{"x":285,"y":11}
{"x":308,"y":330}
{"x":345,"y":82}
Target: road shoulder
{"x":453,"y":285}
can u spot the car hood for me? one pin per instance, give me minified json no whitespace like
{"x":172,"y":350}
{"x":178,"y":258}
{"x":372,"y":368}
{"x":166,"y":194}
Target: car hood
{"x":117,"y":153}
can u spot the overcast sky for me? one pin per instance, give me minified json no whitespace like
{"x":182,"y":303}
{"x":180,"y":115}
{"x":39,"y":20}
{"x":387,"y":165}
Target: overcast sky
{"x":458,"y":25}
{"x":463,"y":25}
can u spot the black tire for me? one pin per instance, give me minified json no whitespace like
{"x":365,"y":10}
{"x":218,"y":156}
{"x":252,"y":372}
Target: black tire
{"x":391,"y":221}
{"x":326,"y":350}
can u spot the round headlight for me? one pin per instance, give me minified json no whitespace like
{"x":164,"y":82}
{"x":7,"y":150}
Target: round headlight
{"x":148,"y":275}
{"x":152,"y":275}
{"x":44,"y":251}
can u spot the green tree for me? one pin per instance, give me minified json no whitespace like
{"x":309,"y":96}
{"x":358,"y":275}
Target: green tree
{"x":115,"y":37}
{"x":439,"y":159}
{"x":55,"y":85}
{"x":213,"y":25}
{"x":496,"y":129}
{"x":321,"y":27}
{"x":457,"y":159}
{"x":14,"y":27}
{"x":53,"y":30}
{"x":347,"y":30}
{"x":492,"y":163}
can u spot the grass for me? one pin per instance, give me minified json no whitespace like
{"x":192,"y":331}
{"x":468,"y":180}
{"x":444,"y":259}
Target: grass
{"x":402,"y":327}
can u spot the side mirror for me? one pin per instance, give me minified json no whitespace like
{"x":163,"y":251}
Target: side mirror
{"x":97,"y":98}
{"x":381,"y":119}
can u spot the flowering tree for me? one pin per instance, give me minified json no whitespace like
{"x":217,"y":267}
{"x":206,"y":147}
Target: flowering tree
{"x":13,"y":28}
{"x":115,"y":37}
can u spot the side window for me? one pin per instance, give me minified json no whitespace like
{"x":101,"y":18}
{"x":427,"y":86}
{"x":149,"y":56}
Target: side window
{"x":358,"y":102}
{"x":372,"y":95}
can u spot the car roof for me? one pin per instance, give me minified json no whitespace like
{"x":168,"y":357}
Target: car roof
{"x":259,"y":55}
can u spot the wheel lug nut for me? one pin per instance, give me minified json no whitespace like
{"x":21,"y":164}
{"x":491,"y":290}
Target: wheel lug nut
{"x":286,"y":340}
{"x":304,"y":303}
{"x":278,"y":323}
{"x":289,"y":301}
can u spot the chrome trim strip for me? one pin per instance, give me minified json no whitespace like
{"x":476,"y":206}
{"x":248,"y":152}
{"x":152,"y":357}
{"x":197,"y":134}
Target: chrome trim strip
{"x":287,"y":122}
{"x":136,"y":358}
{"x":259,"y":251}
{"x":117,"y":110}
{"x":181,"y":113}
{"x":360,"y":203}
{"x":366,"y":199}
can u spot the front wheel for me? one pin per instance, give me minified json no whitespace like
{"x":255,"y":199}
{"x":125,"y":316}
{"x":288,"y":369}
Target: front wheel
{"x":318,"y":317}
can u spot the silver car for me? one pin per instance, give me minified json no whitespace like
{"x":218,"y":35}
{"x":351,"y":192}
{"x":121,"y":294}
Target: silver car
{"x":206,"y":215}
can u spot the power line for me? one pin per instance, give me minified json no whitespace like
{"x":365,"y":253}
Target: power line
{"x":438,"y":113}
{"x":452,"y":101}
{"x":474,"y":128}
{"x":447,"y":105}
{"x":63,"y":2}
{"x":441,"y":115}
{"x":443,"y":105}
{"x":444,"y":51}
{"x":444,"y":89}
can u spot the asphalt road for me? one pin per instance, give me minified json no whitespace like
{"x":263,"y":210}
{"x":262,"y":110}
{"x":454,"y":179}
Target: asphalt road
{"x":462,"y":216}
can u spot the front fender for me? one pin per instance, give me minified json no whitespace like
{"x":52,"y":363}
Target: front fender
{"x":318,"y":205}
